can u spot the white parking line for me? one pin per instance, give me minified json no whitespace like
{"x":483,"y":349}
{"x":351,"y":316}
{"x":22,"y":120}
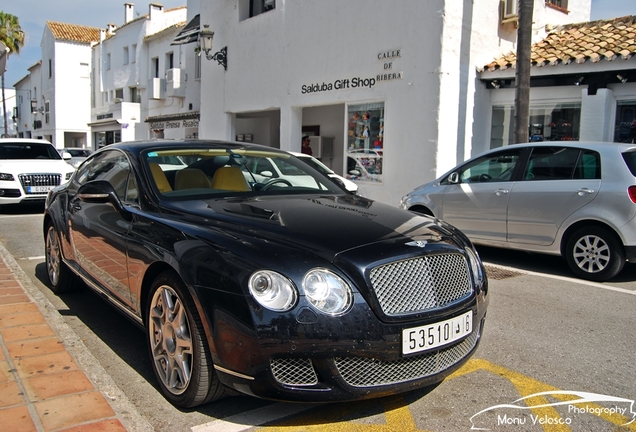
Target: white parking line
{"x":250,"y":419}
{"x":567,"y":279}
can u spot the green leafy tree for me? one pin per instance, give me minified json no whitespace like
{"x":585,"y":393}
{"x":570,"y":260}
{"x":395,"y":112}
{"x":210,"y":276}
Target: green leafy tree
{"x":12,"y":35}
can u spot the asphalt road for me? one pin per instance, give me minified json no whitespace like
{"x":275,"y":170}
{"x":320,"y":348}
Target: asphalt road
{"x":545,"y":331}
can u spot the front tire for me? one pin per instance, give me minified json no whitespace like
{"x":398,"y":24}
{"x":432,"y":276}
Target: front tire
{"x":595,"y":253}
{"x":179,"y":352}
{"x":61,"y":279}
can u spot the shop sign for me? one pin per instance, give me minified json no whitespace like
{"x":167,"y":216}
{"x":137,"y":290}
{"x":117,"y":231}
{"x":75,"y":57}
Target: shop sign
{"x":194,"y":123}
{"x":339,"y":84}
{"x":388,"y":75}
{"x":104,"y":116}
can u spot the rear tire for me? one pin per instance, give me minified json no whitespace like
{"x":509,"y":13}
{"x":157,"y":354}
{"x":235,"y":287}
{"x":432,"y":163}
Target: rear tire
{"x":61,"y":279}
{"x":595,"y":253}
{"x":179,"y":352}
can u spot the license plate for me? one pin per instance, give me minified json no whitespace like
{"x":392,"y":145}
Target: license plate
{"x":39,"y":189}
{"x":431,"y":336}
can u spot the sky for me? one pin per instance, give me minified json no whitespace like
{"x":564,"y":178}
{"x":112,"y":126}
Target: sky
{"x":34,"y":13}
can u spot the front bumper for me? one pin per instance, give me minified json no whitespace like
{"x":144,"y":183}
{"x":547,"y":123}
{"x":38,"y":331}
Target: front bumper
{"x":346,"y":367}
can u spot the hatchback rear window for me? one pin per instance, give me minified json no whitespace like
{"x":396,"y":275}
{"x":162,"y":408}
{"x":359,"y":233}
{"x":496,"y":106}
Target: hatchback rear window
{"x":630,"y":161}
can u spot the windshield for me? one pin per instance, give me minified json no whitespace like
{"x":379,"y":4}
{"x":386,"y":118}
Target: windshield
{"x":28,"y":151}
{"x":78,"y":152}
{"x":194,"y":173}
{"x":315,"y":163}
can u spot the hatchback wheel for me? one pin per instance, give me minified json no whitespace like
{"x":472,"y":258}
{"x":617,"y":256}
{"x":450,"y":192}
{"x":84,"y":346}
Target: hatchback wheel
{"x":180,"y":355}
{"x":60,"y":277}
{"x":595,"y":253}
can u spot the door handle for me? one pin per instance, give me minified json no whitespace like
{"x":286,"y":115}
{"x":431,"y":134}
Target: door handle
{"x":585,"y":191}
{"x":500,"y":192}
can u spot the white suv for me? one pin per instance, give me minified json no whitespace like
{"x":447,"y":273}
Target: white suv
{"x":29,"y":169}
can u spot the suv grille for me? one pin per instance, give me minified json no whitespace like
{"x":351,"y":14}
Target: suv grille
{"x":421,"y":284}
{"x":39,"y":180}
{"x":369,"y":372}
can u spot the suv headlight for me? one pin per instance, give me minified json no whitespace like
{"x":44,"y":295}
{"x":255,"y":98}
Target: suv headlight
{"x":6,"y":177}
{"x":272,"y":290}
{"x":327,"y":292}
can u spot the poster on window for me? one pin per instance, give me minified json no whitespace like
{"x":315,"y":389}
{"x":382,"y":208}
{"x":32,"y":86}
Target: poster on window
{"x":365,"y":142}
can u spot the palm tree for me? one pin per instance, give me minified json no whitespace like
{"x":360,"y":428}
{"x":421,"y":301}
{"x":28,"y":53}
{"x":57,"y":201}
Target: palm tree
{"x":12,"y":35}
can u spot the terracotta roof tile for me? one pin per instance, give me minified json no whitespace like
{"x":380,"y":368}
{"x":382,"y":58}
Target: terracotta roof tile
{"x":73,"y":32}
{"x":588,"y":41}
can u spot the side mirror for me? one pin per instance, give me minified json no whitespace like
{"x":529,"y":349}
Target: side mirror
{"x":354,"y":172}
{"x":100,"y":192}
{"x":66,"y":156}
{"x":266,"y":173}
{"x":453,"y":178}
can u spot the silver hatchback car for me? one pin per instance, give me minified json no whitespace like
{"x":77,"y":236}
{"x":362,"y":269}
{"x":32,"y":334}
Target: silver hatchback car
{"x":577,"y":200}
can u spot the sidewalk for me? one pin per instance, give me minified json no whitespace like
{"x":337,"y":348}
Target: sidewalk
{"x":42,"y":387}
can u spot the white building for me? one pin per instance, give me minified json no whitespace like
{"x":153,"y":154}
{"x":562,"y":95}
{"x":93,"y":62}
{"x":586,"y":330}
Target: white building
{"x":50,"y":97}
{"x":394,"y":83}
{"x":131,"y":64}
{"x":10,"y":114}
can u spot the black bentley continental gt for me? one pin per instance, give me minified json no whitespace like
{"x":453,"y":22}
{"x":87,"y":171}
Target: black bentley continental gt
{"x":249,"y":270}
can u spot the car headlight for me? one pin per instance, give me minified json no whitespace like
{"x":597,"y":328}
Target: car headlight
{"x":272,"y":290}
{"x":6,"y":177}
{"x":327,"y":292}
{"x":475,"y":266}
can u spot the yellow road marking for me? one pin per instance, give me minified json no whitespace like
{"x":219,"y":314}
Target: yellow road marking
{"x":398,"y":417}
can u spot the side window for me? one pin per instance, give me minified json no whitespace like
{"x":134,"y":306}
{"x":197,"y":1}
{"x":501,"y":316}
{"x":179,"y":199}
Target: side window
{"x":496,"y":167}
{"x":552,"y":163}
{"x":111,"y":166}
{"x":588,"y":166}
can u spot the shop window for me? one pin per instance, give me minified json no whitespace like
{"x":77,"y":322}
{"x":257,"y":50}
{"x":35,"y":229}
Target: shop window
{"x":548,"y":122}
{"x":365,"y":142}
{"x":625,"y":128}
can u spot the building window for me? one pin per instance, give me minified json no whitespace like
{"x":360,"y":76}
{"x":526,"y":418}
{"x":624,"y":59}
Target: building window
{"x":155,"y":67}
{"x":197,"y":67}
{"x":126,"y":60}
{"x":119,"y":94}
{"x":108,"y":61}
{"x":47,"y":118}
{"x":169,"y":60}
{"x":50,"y":68}
{"x":548,"y":122}
{"x":625,"y":128}
{"x":561,"y":5}
{"x":134,"y":95}
{"x":251,"y":8}
{"x":365,"y":142}
{"x":134,"y":53}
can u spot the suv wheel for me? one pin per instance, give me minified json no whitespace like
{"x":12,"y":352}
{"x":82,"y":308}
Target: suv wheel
{"x":595,"y":253}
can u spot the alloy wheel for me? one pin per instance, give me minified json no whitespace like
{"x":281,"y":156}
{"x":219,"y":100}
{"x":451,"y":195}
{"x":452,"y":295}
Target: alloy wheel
{"x":53,"y":260}
{"x":591,"y":254}
{"x":170,"y":340}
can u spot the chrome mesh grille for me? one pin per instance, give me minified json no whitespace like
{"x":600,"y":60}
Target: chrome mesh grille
{"x":39,"y":180}
{"x":369,"y":372}
{"x":421,"y":284}
{"x":294,"y":371}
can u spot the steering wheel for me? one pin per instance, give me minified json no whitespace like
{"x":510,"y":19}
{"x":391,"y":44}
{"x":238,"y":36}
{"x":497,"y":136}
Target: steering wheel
{"x":485,"y":177}
{"x":274,"y":181}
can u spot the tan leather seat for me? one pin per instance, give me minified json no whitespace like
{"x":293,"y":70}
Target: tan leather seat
{"x":160,"y":178}
{"x":230,"y":178}
{"x":191,"y":178}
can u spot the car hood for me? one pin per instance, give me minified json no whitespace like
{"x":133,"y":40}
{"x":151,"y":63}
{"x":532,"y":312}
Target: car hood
{"x":23,"y":166}
{"x":325,"y":225}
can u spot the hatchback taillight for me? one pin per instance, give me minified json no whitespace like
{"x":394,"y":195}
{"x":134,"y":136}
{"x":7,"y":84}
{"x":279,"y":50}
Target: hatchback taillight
{"x":631,"y":191}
